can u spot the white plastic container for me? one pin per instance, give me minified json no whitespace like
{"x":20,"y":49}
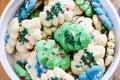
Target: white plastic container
{"x":8,"y":14}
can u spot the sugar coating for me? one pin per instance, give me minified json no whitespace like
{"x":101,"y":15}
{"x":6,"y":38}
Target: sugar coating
{"x":92,"y":55}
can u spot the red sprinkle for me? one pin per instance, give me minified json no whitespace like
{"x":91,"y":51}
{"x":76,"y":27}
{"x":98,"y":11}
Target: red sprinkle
{"x":60,"y":53}
{"x":84,"y":59}
{"x":67,"y":71}
{"x":55,"y":9}
{"x":53,"y":53}
{"x":48,"y":12}
{"x":44,"y":43}
{"x":28,"y":0}
{"x":23,"y":78}
{"x":99,"y":17}
{"x":62,"y":56}
{"x":68,"y":40}
{"x":43,"y":53}
{"x":45,"y":72}
{"x":90,"y":61}
{"x":56,"y":45}
{"x":48,"y":58}
{"x":67,"y":9}
{"x":26,"y":40}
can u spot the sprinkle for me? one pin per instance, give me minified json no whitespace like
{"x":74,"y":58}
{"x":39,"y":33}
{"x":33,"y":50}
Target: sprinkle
{"x":68,"y":70}
{"x":55,"y":9}
{"x":63,"y":11}
{"x":68,"y":39}
{"x":60,"y":53}
{"x":43,"y":53}
{"x":77,"y":66}
{"x":26,"y":40}
{"x":56,"y":45}
{"x":28,"y":0}
{"x":53,"y":53}
{"x":44,"y":43}
{"x":29,"y":67}
{"x":48,"y":58}
{"x":84,"y":59}
{"x":62,"y":56}
{"x":45,"y":72}
{"x":23,"y":78}
{"x":48,"y":12}
{"x":67,"y":9}
{"x":99,"y":17}
{"x":90,"y":61}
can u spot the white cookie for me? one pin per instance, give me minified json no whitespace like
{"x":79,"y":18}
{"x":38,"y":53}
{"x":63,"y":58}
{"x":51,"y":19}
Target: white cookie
{"x":56,"y":73}
{"x":31,"y":29}
{"x":13,"y":31}
{"x":66,"y":14}
{"x":98,"y":38}
{"x":81,"y":62}
{"x":97,"y":23}
{"x":86,"y":23}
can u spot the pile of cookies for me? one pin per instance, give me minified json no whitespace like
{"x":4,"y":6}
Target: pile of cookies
{"x":60,"y":40}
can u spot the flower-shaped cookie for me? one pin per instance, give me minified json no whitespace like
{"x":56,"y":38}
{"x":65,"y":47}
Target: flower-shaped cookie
{"x":92,"y":55}
{"x":56,"y":74}
{"x":29,"y":34}
{"x":93,"y":73}
{"x":12,"y":35}
{"x":57,"y":12}
{"x":84,"y":22}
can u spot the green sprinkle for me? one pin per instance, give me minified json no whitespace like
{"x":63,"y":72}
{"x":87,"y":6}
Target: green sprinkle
{"x":77,"y":66}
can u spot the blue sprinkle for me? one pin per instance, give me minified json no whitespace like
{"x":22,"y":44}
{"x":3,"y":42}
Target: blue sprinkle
{"x":19,"y":62}
{"x":25,"y":62}
{"x":29,"y":67}
{"x":7,"y":38}
{"x":92,"y":37}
